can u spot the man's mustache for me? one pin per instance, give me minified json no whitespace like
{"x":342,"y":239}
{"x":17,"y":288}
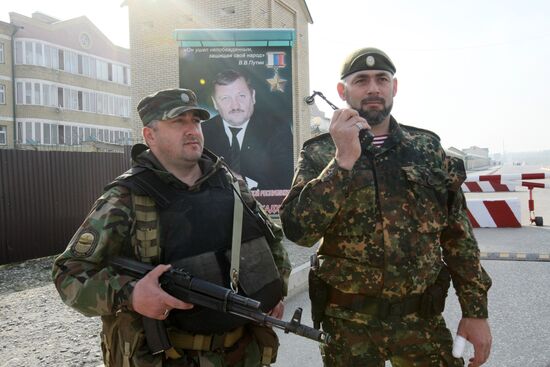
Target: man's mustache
{"x":192,"y":139}
{"x":236,"y":110}
{"x":373,"y":99}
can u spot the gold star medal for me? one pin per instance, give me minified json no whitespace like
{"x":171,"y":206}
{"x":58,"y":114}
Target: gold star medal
{"x":277,"y":83}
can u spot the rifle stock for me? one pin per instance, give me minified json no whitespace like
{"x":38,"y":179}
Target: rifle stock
{"x":182,"y":285}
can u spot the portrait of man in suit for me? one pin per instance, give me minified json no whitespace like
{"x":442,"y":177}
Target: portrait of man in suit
{"x":253,"y":144}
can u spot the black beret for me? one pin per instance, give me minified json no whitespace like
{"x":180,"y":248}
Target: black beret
{"x":369,"y":58}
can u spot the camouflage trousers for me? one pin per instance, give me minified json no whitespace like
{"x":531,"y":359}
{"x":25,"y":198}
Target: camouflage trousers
{"x":251,"y":358}
{"x":407,"y":342}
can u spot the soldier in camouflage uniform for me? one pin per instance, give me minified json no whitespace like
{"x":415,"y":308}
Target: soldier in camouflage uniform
{"x":392,"y":219}
{"x":175,"y":204}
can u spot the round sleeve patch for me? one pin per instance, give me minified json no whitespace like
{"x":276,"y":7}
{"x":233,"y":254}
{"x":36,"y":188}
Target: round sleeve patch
{"x":86,"y":243}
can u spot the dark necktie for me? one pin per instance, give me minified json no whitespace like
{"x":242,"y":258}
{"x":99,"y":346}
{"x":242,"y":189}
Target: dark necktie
{"x":235,"y":150}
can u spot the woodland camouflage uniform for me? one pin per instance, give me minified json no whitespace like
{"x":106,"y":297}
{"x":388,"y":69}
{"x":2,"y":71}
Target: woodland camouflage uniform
{"x":386,"y":226}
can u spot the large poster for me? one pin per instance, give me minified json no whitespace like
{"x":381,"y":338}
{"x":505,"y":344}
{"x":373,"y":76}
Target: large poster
{"x":248,"y":91}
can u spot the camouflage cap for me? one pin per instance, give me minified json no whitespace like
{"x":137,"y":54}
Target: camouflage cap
{"x":169,"y":103}
{"x":369,"y":58}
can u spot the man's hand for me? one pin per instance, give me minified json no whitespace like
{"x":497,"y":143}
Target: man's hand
{"x":278,"y":311}
{"x":148,"y":298}
{"x":344,"y":130}
{"x":477,"y":332}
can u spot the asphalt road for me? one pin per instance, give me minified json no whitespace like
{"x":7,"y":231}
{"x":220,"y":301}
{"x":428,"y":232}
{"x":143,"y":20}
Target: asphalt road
{"x":519,"y":304}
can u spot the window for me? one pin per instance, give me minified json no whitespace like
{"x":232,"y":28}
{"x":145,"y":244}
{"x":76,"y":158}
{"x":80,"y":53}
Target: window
{"x":3,"y":140}
{"x":28,"y":93}
{"x":93,"y":67}
{"x":74,"y":99}
{"x":60,"y":97}
{"x":39,"y":60}
{"x":86,"y":65}
{"x":80,"y":104}
{"x":47,"y":139}
{"x":28,"y":132}
{"x":55,"y":58}
{"x":61,"y":134}
{"x":102,"y":70}
{"x":47,"y":56}
{"x":93,"y":107}
{"x":2,"y":58}
{"x":46,"y":95}
{"x":99,"y":103}
{"x":37,"y":94}
{"x":37,"y":133}
{"x":67,"y":66}
{"x":28,"y":52}
{"x":61,"y":60}
{"x":110,"y":71}
{"x":19,"y":52}
{"x":54,"y":134}
{"x":2,"y":94}
{"x":80,"y":68}
{"x":67,"y":99}
{"x":111,"y":104}
{"x":53,"y":96}
{"x":20,"y":91}
{"x":19,"y":132}
{"x":68,"y":135}
{"x":74,"y":134}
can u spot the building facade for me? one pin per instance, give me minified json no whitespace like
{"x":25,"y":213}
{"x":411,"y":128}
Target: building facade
{"x":154,"y":49}
{"x":64,"y":84}
{"x":6,"y":86}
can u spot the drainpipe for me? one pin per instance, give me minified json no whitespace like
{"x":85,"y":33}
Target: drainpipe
{"x":13,"y":92}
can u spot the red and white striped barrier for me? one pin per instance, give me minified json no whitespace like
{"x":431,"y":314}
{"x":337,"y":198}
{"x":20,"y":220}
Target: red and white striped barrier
{"x":494,"y":186}
{"x":490,"y":213}
{"x":488,"y":186}
{"x":508,"y":177}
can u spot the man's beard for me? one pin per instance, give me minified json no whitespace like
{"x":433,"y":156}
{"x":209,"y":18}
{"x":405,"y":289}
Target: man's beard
{"x":374,"y":117}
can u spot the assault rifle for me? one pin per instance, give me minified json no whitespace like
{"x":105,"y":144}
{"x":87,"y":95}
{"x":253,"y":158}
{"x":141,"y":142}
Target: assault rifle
{"x":182,"y":285}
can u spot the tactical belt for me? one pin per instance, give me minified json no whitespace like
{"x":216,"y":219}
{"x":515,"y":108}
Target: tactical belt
{"x":199,"y":342}
{"x":378,"y":307}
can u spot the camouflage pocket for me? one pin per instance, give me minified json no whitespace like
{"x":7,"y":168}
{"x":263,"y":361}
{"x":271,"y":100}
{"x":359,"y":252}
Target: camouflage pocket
{"x":123,"y":342}
{"x":427,"y":197}
{"x":268,"y":342}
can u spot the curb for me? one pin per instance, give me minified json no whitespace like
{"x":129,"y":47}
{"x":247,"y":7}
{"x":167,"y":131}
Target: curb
{"x":297,"y":282}
{"x":514,"y":256}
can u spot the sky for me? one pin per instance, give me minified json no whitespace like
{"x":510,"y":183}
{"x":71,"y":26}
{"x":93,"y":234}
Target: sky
{"x":475,"y":72}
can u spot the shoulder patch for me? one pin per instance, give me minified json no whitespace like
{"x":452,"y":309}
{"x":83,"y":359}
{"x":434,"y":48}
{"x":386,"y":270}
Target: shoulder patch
{"x":85,"y":243}
{"x":417,"y":130}
{"x":319,"y":138}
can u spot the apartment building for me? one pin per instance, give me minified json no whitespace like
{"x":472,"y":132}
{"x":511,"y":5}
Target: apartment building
{"x":64,"y":85}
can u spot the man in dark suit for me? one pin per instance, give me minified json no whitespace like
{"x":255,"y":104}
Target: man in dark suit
{"x":254,"y":146}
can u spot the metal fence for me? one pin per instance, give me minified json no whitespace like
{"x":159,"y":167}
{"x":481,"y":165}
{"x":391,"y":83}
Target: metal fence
{"x":45,"y":196}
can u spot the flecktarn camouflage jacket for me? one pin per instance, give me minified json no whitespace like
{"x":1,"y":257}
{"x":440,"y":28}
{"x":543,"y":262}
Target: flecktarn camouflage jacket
{"x":387,"y":225}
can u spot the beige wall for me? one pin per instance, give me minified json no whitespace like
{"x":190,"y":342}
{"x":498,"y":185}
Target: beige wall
{"x":154,"y":52}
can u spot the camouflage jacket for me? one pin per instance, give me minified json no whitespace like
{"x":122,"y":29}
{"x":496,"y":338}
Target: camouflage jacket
{"x":387,"y":224}
{"x":81,"y":274}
